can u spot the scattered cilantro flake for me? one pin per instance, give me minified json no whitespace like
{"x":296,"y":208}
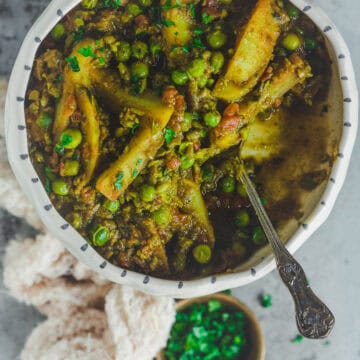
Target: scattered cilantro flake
{"x":192,"y":10}
{"x":78,"y":35}
{"x":227,"y":292}
{"x":87,"y":52}
{"x":134,"y":173}
{"x":66,"y":139}
{"x":297,"y":339}
{"x":169,"y":6}
{"x":206,"y":18}
{"x":198,"y":31}
{"x":169,"y":135}
{"x":47,"y":185}
{"x":176,"y":33}
{"x":101,"y":60}
{"x":133,"y":129}
{"x":73,"y":63}
{"x":185,"y":49}
{"x":139,"y":162}
{"x":266,"y":301}
{"x":60,"y":78}
{"x":59,"y":148}
{"x":168,"y":23}
{"x":197,"y":43}
{"x":118,"y":183}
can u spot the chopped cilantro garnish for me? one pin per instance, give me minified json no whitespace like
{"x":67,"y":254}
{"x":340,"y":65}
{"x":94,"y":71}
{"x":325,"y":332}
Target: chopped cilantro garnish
{"x":206,"y":18}
{"x":101,"y":60}
{"x":59,"y":148}
{"x":60,"y":78}
{"x":66,"y":139}
{"x":87,"y":52}
{"x":169,"y":135}
{"x":185,"y":49}
{"x":266,"y":301}
{"x":78,"y":35}
{"x":47,"y":185}
{"x":139,"y":162}
{"x":198,"y":31}
{"x":133,"y":129}
{"x":297,"y":339}
{"x":167,"y":22}
{"x":73,"y":63}
{"x":192,"y":10}
{"x":169,"y":6}
{"x":118,"y":183}
{"x":208,"y":331}
{"x":197,"y":43}
{"x":134,"y":173}
{"x":176,"y":33}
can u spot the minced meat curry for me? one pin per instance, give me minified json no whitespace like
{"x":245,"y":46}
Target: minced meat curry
{"x":136,"y":110}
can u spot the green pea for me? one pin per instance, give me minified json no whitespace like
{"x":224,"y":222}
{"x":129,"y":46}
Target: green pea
{"x":202,"y":80}
{"x":140,"y":70}
{"x":44,"y":120}
{"x":139,"y":49}
{"x":58,"y":31}
{"x":145,"y":3}
{"x":310,"y":44}
{"x":89,"y":4}
{"x":161,"y":216}
{"x":71,"y":138}
{"x":186,"y":124}
{"x":197,"y":68}
{"x":216,"y":39}
{"x":227,"y":184}
{"x":186,"y":162}
{"x":258,"y":236}
{"x":212,"y":119}
{"x":202,"y":253}
{"x":71,"y":168}
{"x":123,"y":52}
{"x":179,"y":77}
{"x":242,"y":218}
{"x":133,"y":9}
{"x":291,"y":42}
{"x":241,"y":190}
{"x":293,"y":12}
{"x":112,"y":206}
{"x":100,"y":236}
{"x":148,"y":193}
{"x":60,"y":187}
{"x":217,"y":61}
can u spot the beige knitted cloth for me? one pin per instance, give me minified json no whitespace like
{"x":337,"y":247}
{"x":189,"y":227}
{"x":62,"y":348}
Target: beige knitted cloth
{"x":88,"y":317}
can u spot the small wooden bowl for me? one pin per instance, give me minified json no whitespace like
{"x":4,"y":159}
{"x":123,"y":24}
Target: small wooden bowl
{"x":255,"y":335}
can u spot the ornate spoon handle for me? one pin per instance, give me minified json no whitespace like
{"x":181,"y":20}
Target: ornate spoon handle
{"x":313,"y":317}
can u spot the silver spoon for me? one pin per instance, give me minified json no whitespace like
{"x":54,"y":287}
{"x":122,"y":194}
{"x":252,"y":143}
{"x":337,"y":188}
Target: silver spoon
{"x":314,"y":319}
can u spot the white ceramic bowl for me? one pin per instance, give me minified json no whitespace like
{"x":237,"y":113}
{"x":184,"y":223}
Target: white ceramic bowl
{"x":16,"y":138}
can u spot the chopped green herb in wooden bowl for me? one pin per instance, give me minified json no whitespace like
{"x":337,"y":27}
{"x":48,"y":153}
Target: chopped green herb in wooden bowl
{"x":216,"y":327}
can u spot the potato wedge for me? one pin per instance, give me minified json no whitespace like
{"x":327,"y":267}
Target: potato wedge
{"x":294,"y":71}
{"x":253,"y":51}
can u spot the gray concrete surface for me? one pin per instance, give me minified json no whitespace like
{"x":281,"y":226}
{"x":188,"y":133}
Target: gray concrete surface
{"x":330,"y":257}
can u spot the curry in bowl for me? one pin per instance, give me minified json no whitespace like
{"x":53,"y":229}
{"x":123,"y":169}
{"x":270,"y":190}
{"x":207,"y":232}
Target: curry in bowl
{"x":139,"y":112}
